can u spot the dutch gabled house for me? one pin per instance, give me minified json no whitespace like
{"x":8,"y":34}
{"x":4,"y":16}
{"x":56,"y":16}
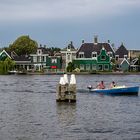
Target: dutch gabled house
{"x":94,"y":56}
{"x":39,"y":59}
{"x":122,"y":59}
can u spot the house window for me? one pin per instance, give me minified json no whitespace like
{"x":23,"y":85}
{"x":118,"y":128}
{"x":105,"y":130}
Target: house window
{"x":93,"y":67}
{"x":103,"y":57}
{"x":43,"y":58}
{"x":117,"y":57}
{"x":81,"y":54}
{"x":94,"y":54}
{"x":3,"y":55}
{"x":68,"y":56}
{"x":34,"y":59}
{"x":87,"y":66}
{"x":38,"y":58}
{"x":81,"y":67}
{"x":106,"y":67}
{"x":54,"y":60}
{"x":110,"y":54}
{"x":39,"y":52}
{"x":100,"y":67}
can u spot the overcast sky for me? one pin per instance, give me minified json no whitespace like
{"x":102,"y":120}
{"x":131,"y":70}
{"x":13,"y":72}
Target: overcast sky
{"x":57,"y":22}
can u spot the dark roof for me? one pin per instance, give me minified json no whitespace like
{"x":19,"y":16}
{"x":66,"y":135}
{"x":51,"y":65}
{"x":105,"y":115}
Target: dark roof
{"x":88,"y":48}
{"x":11,"y":54}
{"x":70,"y":46}
{"x":44,"y":50}
{"x":121,"y":51}
{"x":22,"y":58}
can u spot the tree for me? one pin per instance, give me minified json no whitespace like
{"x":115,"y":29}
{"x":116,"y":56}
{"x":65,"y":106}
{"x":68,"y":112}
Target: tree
{"x":114,"y":64}
{"x":53,"y":50}
{"x":6,"y":65}
{"x":23,"y":45}
{"x":70,"y":67}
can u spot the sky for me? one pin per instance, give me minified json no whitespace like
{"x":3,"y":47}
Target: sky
{"x":57,"y":22}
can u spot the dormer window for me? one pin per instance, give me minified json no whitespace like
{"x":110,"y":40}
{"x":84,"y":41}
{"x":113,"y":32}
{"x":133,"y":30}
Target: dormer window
{"x":81,"y":54}
{"x":94,"y":54}
{"x":110,"y":54}
{"x":54,"y":60}
{"x":116,"y":57}
{"x":68,"y":56}
{"x":39,"y":51}
{"x":103,"y":57}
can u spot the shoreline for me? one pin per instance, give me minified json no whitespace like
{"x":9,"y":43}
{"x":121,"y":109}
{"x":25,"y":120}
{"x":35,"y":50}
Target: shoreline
{"x":80,"y":73}
{"x":106,"y":73}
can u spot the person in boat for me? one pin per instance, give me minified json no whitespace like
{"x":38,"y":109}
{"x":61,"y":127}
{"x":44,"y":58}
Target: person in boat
{"x":112,"y":85}
{"x":101,"y":85}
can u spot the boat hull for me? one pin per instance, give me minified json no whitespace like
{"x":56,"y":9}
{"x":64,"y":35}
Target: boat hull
{"x":118,"y":91}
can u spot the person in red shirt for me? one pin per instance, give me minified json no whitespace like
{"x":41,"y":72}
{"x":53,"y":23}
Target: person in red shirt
{"x":101,"y":85}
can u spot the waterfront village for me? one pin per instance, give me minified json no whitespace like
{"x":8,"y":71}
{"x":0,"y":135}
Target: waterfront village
{"x":90,"y":58}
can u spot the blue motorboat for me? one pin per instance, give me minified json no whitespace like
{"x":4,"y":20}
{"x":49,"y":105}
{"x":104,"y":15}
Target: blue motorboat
{"x":118,"y":90}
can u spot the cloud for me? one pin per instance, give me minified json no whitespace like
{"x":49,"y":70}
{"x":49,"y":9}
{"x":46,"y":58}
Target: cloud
{"x":14,"y":10}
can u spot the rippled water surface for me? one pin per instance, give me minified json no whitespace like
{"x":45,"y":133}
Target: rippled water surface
{"x":28,"y":110}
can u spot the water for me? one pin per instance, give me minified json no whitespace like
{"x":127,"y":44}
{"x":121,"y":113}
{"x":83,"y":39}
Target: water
{"x":28,"y":110}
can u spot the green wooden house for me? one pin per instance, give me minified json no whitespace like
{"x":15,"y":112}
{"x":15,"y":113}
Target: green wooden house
{"x":54,"y":63}
{"x":94,"y":56}
{"x":4,"y":55}
{"x":103,"y":61}
{"x":99,"y":62}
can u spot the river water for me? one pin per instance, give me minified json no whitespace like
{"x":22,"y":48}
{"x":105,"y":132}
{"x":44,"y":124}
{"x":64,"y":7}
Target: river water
{"x":28,"y":110}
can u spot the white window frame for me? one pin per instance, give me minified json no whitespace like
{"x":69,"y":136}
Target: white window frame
{"x":54,"y":60}
{"x":106,"y":68}
{"x":101,"y":65}
{"x":110,"y":54}
{"x":81,"y":54}
{"x":117,"y":56}
{"x":87,"y":66}
{"x":82,"y":67}
{"x":94,"y":53}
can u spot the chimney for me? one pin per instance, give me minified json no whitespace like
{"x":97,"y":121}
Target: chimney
{"x":95,"y":39}
{"x":108,"y":41}
{"x":83,"y":41}
{"x":71,"y":43}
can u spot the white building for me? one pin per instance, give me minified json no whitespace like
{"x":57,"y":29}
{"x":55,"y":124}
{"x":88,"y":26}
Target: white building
{"x":39,"y":58}
{"x":68,"y":54}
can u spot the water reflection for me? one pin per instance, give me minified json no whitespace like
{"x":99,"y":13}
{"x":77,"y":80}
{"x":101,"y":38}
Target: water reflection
{"x":66,"y":113}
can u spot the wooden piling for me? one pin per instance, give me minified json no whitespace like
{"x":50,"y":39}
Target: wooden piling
{"x":66,"y":93}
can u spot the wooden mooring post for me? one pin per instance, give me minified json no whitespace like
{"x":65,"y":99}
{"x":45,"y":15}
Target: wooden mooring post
{"x":66,"y":92}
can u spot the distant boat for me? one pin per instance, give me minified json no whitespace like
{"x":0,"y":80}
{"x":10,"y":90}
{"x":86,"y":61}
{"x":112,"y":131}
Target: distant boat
{"x":16,"y":72}
{"x":118,"y":90}
{"x":12,"y":72}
